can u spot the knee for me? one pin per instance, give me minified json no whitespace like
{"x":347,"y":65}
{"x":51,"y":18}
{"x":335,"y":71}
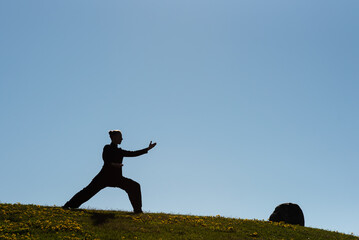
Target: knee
{"x":134,"y":187}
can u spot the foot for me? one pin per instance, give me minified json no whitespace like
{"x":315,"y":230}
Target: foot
{"x":137,"y":211}
{"x":67,"y":207}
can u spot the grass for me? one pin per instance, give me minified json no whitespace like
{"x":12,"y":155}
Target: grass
{"x":38,"y":222}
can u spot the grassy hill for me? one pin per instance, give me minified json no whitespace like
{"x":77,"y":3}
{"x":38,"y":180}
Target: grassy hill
{"x":38,"y":222}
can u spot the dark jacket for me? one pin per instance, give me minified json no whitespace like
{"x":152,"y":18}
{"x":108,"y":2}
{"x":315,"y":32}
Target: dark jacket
{"x":112,"y":154}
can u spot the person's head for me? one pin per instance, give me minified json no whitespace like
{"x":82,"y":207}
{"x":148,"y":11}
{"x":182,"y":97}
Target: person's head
{"x":116,"y":136}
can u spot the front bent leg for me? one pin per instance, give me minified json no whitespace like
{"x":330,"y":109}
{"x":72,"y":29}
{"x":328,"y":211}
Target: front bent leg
{"x":133,"y":189}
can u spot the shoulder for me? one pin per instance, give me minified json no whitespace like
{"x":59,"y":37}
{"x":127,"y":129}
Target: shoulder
{"x":107,"y":147}
{"x":121,"y":150}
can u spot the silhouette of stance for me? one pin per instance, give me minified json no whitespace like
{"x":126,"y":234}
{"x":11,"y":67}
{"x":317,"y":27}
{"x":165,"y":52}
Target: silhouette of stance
{"x":111,"y":175}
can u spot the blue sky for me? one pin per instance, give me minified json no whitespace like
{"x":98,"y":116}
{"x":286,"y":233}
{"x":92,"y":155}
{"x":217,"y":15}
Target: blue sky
{"x":252,"y":104}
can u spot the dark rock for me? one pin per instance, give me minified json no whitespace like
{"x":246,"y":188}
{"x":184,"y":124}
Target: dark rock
{"x":288,"y":213}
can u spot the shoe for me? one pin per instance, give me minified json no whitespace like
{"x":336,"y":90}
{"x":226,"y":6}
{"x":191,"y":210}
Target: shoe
{"x":137,"y":211}
{"x":67,"y":207}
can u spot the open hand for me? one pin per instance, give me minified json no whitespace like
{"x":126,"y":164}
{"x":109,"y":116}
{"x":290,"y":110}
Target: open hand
{"x":152,"y":145}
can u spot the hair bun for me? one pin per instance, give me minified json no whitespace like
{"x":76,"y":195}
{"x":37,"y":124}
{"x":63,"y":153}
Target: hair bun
{"x":113,"y":132}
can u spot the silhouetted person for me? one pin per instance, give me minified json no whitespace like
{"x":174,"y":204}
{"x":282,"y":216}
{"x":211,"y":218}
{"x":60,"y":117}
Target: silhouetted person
{"x":111,"y":175}
{"x":288,"y":213}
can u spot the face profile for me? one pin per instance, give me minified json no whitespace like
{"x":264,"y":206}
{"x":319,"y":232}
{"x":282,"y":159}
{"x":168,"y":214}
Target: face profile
{"x":116,"y":136}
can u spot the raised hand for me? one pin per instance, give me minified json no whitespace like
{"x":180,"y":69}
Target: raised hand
{"x":152,"y":145}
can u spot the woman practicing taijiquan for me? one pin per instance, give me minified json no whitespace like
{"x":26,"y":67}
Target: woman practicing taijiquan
{"x":111,"y":175}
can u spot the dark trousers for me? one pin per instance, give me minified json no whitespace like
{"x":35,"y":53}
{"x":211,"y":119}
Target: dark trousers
{"x":101,"y":181}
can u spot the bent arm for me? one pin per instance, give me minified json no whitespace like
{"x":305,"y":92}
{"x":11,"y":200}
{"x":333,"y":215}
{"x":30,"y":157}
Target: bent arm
{"x":117,"y":165}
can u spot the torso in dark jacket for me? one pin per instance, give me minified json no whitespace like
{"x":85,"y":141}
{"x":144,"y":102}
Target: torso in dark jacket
{"x":112,"y":154}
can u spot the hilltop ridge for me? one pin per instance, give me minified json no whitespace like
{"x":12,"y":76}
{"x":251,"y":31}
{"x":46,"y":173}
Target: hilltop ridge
{"x":19,"y":221}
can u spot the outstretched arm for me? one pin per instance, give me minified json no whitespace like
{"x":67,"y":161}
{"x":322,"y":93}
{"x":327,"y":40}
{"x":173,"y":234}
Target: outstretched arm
{"x":138,"y":152}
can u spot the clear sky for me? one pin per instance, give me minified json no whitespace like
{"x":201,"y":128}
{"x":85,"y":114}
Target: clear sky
{"x":252,"y":103}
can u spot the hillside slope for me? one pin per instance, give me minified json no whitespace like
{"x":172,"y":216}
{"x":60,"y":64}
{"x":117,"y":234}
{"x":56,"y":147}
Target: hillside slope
{"x":38,"y":222}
